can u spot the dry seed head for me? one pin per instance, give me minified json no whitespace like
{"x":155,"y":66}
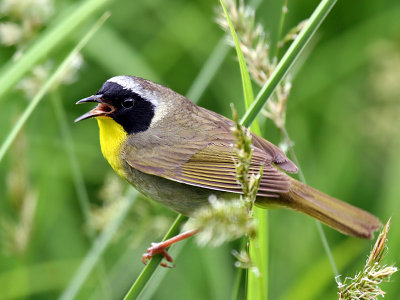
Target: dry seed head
{"x":10,"y":33}
{"x":221,"y":221}
{"x":255,"y":46}
{"x":365,"y":285}
{"x":34,"y":12}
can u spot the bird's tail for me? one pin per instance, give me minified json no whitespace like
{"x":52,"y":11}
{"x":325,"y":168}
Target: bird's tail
{"x":337,"y":214}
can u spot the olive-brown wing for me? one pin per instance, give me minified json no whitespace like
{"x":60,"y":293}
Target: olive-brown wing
{"x":277,"y":156}
{"x":204,"y":164}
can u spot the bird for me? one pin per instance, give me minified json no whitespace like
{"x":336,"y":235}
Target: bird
{"x":179,"y":154}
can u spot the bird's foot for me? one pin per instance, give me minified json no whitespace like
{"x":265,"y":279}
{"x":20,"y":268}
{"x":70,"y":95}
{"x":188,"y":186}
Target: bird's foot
{"x":161,"y":248}
{"x":158,"y":248}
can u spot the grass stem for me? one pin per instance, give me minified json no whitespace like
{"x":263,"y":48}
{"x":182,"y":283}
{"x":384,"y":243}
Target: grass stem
{"x":78,"y":182}
{"x":153,"y":264}
{"x":47,"y":42}
{"x":99,"y":246}
{"x":288,"y":59}
{"x":46,"y":87}
{"x":317,"y":223}
{"x":75,"y":168}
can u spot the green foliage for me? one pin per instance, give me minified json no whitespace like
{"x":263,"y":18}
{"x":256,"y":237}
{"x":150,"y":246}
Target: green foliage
{"x":342,"y":114}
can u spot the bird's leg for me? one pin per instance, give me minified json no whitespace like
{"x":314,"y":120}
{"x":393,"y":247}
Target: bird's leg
{"x":161,"y":248}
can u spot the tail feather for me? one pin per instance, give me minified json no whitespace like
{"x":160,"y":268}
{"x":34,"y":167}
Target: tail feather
{"x":337,"y":214}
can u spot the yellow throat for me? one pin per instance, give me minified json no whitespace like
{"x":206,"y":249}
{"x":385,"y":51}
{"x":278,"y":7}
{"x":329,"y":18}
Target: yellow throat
{"x":112,"y":137}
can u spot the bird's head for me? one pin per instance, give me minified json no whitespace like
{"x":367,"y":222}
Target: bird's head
{"x":132,"y":102}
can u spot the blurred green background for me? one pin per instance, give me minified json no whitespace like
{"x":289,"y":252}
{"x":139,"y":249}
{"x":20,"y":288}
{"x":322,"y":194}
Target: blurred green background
{"x":343,"y":116}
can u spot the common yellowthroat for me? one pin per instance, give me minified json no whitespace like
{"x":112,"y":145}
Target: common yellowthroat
{"x":178,"y":154}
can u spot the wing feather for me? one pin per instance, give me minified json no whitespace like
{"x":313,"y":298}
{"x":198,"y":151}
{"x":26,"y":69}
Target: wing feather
{"x":204,"y":157}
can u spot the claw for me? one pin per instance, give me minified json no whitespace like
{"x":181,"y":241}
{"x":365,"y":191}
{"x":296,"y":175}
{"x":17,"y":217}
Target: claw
{"x":161,"y":248}
{"x":158,"y":248}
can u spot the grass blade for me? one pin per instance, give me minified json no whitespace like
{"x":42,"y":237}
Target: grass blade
{"x":346,"y":253}
{"x":246,"y":82}
{"x":75,"y":168}
{"x":15,"y":70}
{"x":288,"y":59}
{"x":153,"y":264}
{"x":208,"y":71}
{"x":46,"y":87}
{"x":257,"y":285}
{"x":99,"y":246}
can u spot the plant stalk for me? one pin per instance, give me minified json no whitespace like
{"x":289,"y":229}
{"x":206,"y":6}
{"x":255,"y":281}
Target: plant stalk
{"x":148,"y":271}
{"x":288,"y":59}
{"x":47,"y":86}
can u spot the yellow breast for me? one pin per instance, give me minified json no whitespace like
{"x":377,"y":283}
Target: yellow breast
{"x":112,"y":137}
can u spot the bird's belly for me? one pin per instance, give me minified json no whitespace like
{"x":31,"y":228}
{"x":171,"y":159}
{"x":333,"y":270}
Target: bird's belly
{"x":180,"y":197}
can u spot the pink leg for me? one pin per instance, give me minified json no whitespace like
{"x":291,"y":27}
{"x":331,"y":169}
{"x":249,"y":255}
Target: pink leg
{"x":160,"y":248}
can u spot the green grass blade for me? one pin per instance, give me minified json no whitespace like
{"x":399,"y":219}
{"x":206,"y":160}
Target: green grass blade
{"x":46,"y":87}
{"x":119,"y":57}
{"x":99,"y":246}
{"x":162,"y":273}
{"x":208,"y":71}
{"x":79,"y":182}
{"x":246,"y":82}
{"x":153,"y":264}
{"x":288,"y":59}
{"x":257,"y":285}
{"x":12,"y":73}
{"x":315,"y":280}
{"x":321,"y":232}
{"x":75,"y":168}
{"x":24,"y":281}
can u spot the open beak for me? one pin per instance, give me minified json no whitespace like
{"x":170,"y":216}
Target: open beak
{"x":102,"y":109}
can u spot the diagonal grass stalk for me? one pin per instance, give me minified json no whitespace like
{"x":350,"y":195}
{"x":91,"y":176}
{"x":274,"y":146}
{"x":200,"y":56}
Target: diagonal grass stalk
{"x":317,"y":223}
{"x":76,"y":170}
{"x":78,"y":182}
{"x":208,"y":71}
{"x":47,"y":86}
{"x":318,"y":269}
{"x":257,"y":284}
{"x":99,"y":246}
{"x":153,"y":264}
{"x":280,"y":71}
{"x":288,"y":59}
{"x":13,"y":72}
{"x":246,"y":82}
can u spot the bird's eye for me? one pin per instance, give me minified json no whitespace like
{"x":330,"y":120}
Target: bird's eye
{"x":127,"y":103}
